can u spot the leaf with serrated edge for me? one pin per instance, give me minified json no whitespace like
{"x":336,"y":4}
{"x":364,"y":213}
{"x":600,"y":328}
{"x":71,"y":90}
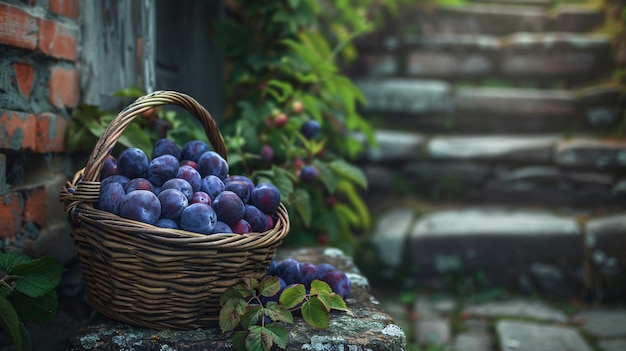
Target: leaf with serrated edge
{"x":280,"y":334}
{"x":270,"y":286}
{"x":38,"y":309}
{"x":239,"y":340}
{"x":325,"y":298}
{"x":315,"y":314}
{"x":292,"y":296}
{"x":338,"y":303}
{"x":278,"y":313}
{"x":10,"y":322}
{"x":37,"y":277}
{"x":254,"y":340}
{"x":10,"y":259}
{"x":251,"y":316}
{"x":319,"y":285}
{"x":230,"y":314}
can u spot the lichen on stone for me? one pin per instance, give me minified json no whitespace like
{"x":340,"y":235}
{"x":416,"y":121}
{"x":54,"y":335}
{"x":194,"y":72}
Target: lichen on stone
{"x":89,"y":341}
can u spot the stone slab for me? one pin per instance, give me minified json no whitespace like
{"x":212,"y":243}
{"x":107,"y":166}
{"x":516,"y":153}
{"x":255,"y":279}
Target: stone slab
{"x":594,"y":154}
{"x":612,"y":345}
{"x":606,"y":241}
{"x":519,"y":308}
{"x":433,"y":331}
{"x":472,"y":342}
{"x":525,"y":336}
{"x":394,"y":146}
{"x":603,"y":323}
{"x":405,"y":96}
{"x":390,"y":236}
{"x":369,"y":328}
{"x":509,"y":148}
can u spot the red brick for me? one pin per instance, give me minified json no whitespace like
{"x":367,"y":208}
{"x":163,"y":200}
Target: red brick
{"x":19,"y":130}
{"x":57,"y":40}
{"x":35,"y":205}
{"x":11,"y":210}
{"x":50,"y":133}
{"x":64,"y":87}
{"x":25,"y":74}
{"x":67,"y":8}
{"x":17,"y":28}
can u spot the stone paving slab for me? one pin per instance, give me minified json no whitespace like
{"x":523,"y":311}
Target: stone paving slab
{"x":407,"y":96}
{"x":519,"y":308}
{"x":590,"y":153}
{"x":603,"y":323}
{"x":512,"y":148}
{"x":526,"y":336}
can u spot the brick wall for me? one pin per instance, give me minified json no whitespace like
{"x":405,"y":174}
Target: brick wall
{"x":39,"y":87}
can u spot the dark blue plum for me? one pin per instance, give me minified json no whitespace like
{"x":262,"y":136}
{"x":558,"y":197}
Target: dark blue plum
{"x":165,"y":147}
{"x":173,"y":203}
{"x":265,"y":197}
{"x":289,"y":270}
{"x":240,"y":188}
{"x":212,"y":185}
{"x":270,"y":222}
{"x":191,"y":175}
{"x":167,"y":223}
{"x":308,"y":273}
{"x":189,"y":163}
{"x":192,"y":150}
{"x":310,"y":129}
{"x":338,"y":282}
{"x":118,"y":178}
{"x":198,"y":218}
{"x":256,"y":218}
{"x":179,"y":184}
{"x":309,"y":173}
{"x":222,"y":228}
{"x":161,"y":169}
{"x":266,"y":153}
{"x":109,"y":167}
{"x":141,"y":205}
{"x":322,"y":268}
{"x":211,"y":163}
{"x":241,"y":227}
{"x":201,"y":197}
{"x":241,"y":178}
{"x":110,"y":198}
{"x":133,"y":163}
{"x":229,"y":207}
{"x":271,"y":269}
{"x":138,"y":184}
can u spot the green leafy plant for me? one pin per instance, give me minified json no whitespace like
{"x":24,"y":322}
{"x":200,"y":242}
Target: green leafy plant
{"x":259,"y":323}
{"x":27,"y":293}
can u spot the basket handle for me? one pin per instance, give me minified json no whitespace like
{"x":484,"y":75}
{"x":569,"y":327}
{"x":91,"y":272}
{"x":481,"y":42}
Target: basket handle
{"x":114,"y":130}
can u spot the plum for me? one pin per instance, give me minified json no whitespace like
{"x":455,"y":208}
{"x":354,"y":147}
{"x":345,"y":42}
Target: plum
{"x":191,"y":175}
{"x":338,"y":282}
{"x":265,"y":197}
{"x":270,"y":222}
{"x":256,"y":218}
{"x":192,"y":150}
{"x":228,"y":207}
{"x":201,"y":197}
{"x":310,"y":129}
{"x":308,"y":273}
{"x":211,"y":163}
{"x":241,"y":178}
{"x":161,"y":169}
{"x":141,"y":205}
{"x":322,"y":268}
{"x":109,"y":167}
{"x":173,"y":203}
{"x":110,"y":198}
{"x":271,"y":269}
{"x":289,"y":270}
{"x":189,"y":163}
{"x":198,"y":218}
{"x":309,"y":173}
{"x":179,"y":184}
{"x":133,"y":163}
{"x":212,"y":185}
{"x":138,"y":184}
{"x":240,"y":188}
{"x":167,"y":223}
{"x":117,"y":178}
{"x":222,"y":228}
{"x":241,"y":227}
{"x":266,"y":153}
{"x":165,"y":147}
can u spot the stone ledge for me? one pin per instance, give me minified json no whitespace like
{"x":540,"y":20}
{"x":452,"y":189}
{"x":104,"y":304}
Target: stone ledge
{"x":369,"y":329}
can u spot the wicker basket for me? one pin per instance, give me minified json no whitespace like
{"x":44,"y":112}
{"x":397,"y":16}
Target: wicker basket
{"x":154,"y":277}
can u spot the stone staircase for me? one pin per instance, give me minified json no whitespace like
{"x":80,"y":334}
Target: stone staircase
{"x":498,"y":158}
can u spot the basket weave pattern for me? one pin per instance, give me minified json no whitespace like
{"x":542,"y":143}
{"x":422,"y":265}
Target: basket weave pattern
{"x":154,"y":277}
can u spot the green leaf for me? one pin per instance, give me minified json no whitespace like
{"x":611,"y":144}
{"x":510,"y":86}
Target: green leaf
{"x":282,"y":181}
{"x":302,"y":201}
{"x":356,"y":201}
{"x":237,"y":292}
{"x":270,"y":286}
{"x":38,"y":277}
{"x":349,"y":171}
{"x":337,"y":303}
{"x":10,"y":259}
{"x":292,"y":296}
{"x":315,"y":314}
{"x":251,"y":316}
{"x":255,"y":339}
{"x":135,"y":136}
{"x":230,"y":314}
{"x":318,"y":286}
{"x":278,"y":313}
{"x":326,"y":299}
{"x":38,"y":309}
{"x":133,"y":92}
{"x":10,"y":322}
{"x":280,"y":334}
{"x":326,"y":175}
{"x":239,"y":340}
{"x":281,"y":91}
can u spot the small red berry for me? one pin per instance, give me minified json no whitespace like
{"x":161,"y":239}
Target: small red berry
{"x":280,"y":120}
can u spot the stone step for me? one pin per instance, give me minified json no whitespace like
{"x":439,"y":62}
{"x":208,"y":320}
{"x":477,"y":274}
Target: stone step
{"x":555,"y":57}
{"x":505,"y":18}
{"x":437,"y":106}
{"x":574,"y":173}
{"x":524,"y":249}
